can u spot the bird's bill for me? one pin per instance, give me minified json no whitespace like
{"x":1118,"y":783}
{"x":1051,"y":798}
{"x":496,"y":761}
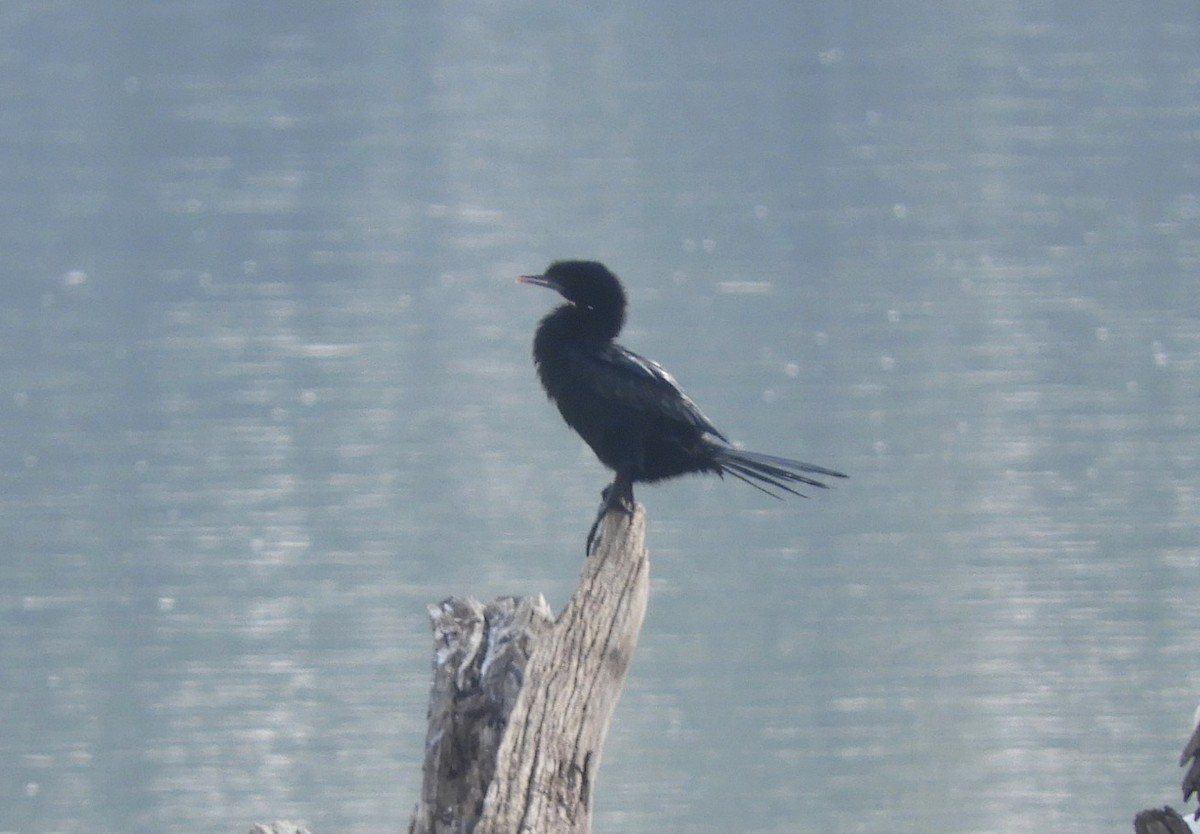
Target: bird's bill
{"x":537,"y":281}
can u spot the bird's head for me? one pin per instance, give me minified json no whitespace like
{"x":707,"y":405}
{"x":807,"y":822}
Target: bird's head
{"x":586,"y":284}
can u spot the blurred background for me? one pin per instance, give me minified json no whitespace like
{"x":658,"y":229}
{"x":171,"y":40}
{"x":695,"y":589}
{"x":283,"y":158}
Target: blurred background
{"x":266,"y":393}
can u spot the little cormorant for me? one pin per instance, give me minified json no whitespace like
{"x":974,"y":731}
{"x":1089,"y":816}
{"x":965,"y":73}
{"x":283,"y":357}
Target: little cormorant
{"x":628,"y":409}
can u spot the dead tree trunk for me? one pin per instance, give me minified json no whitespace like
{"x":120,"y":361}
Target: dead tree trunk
{"x":520,"y":706}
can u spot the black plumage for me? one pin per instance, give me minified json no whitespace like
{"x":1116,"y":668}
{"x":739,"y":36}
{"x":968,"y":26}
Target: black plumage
{"x":1191,"y":758}
{"x":628,"y":409}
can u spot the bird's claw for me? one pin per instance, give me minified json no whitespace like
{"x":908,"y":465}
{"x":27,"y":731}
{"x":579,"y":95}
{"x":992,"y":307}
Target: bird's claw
{"x":616,"y":496}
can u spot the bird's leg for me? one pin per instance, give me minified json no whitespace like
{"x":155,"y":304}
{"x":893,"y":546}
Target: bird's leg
{"x":616,"y":496}
{"x":619,"y":495}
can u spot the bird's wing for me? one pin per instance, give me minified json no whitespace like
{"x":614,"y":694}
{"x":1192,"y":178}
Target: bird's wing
{"x":643,"y":384}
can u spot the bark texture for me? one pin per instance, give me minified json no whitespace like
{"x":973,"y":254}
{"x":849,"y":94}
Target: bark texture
{"x":520,"y":706}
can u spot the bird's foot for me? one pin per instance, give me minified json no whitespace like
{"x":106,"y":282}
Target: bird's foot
{"x":592,"y":539}
{"x":616,"y":496}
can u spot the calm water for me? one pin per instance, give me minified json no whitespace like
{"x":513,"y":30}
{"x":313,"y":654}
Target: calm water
{"x":266,"y":393}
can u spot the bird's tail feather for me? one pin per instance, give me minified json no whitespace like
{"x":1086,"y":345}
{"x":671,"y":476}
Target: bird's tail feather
{"x":762,"y":471}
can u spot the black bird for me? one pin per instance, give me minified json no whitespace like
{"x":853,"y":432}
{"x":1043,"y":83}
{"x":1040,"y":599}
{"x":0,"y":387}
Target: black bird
{"x":1191,"y":758}
{"x":628,"y":409}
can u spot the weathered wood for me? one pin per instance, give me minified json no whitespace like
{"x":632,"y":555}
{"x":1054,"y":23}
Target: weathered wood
{"x":480,"y":655}
{"x":277,"y":827}
{"x":543,"y":693}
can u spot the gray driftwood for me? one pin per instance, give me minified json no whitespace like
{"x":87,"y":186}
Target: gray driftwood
{"x":278,"y":827}
{"x":520,"y":705}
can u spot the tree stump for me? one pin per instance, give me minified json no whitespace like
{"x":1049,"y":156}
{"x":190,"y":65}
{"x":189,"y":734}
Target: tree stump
{"x":519,"y":706}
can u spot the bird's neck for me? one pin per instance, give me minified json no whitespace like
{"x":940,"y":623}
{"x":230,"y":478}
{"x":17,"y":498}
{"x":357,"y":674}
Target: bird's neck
{"x":572,"y":323}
